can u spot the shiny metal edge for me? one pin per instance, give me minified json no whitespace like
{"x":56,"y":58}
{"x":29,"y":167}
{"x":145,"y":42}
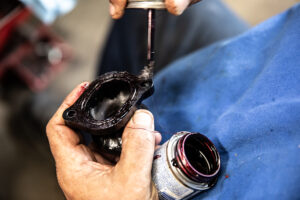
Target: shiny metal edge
{"x":147,"y":5}
{"x":177,"y":172}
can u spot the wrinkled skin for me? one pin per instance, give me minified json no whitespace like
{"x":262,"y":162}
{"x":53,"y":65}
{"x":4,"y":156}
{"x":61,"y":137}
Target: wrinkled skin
{"x":84,"y":174}
{"x":176,"y":7}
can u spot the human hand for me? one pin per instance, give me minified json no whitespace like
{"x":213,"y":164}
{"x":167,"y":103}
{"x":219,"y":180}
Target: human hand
{"x":84,"y":174}
{"x":175,"y":7}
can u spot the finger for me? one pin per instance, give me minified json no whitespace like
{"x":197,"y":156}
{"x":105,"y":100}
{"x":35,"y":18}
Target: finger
{"x":69,"y":100}
{"x":116,"y":8}
{"x":138,"y":145}
{"x":61,"y":137}
{"x":157,"y":147}
{"x":176,"y":7}
{"x":157,"y":138}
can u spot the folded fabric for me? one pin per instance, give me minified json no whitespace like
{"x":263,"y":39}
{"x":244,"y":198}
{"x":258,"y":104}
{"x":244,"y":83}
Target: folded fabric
{"x":49,"y":10}
{"x":244,"y":94}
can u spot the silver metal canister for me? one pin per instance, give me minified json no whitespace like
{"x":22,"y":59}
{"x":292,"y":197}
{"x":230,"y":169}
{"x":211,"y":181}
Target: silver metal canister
{"x":185,"y":165}
{"x":146,"y":4}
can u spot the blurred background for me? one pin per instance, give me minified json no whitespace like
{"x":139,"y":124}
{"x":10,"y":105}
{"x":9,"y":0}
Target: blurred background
{"x":39,"y":65}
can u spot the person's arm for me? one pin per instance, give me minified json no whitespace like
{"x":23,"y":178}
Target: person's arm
{"x":84,"y":174}
{"x":175,"y":7}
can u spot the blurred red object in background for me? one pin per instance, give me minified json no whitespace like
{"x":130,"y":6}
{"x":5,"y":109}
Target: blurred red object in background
{"x":28,"y":47}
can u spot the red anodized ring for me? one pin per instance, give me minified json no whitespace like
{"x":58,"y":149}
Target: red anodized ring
{"x":187,"y":167}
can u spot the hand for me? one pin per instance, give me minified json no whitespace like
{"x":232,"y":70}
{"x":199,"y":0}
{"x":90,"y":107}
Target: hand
{"x":175,"y":7}
{"x":84,"y":174}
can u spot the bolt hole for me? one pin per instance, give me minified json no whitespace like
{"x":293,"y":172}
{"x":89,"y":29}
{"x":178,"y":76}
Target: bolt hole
{"x":71,"y":113}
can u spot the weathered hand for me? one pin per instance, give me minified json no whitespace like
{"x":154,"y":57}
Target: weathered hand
{"x":175,"y":7}
{"x":85,"y":175}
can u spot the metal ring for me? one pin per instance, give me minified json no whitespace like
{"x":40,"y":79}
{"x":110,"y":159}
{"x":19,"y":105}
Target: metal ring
{"x":147,"y":4}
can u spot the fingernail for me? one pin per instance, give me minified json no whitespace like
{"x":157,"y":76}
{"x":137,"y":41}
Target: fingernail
{"x":112,"y":9}
{"x":86,"y":85}
{"x":143,"y":118}
{"x":157,"y":134}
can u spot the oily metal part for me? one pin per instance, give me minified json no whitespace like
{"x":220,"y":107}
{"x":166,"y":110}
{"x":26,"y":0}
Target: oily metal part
{"x":109,"y":102}
{"x":106,"y":106}
{"x":144,"y":4}
{"x":151,"y":4}
{"x":80,"y":114}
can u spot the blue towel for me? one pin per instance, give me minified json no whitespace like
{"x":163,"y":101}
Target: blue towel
{"x":244,"y":94}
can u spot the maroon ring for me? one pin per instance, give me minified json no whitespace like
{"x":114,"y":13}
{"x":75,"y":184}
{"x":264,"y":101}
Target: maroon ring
{"x":187,"y":167}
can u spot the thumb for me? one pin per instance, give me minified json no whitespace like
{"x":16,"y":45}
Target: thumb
{"x":138,"y":144}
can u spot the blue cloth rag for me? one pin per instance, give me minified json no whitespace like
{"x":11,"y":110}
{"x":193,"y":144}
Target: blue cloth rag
{"x":244,"y":94}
